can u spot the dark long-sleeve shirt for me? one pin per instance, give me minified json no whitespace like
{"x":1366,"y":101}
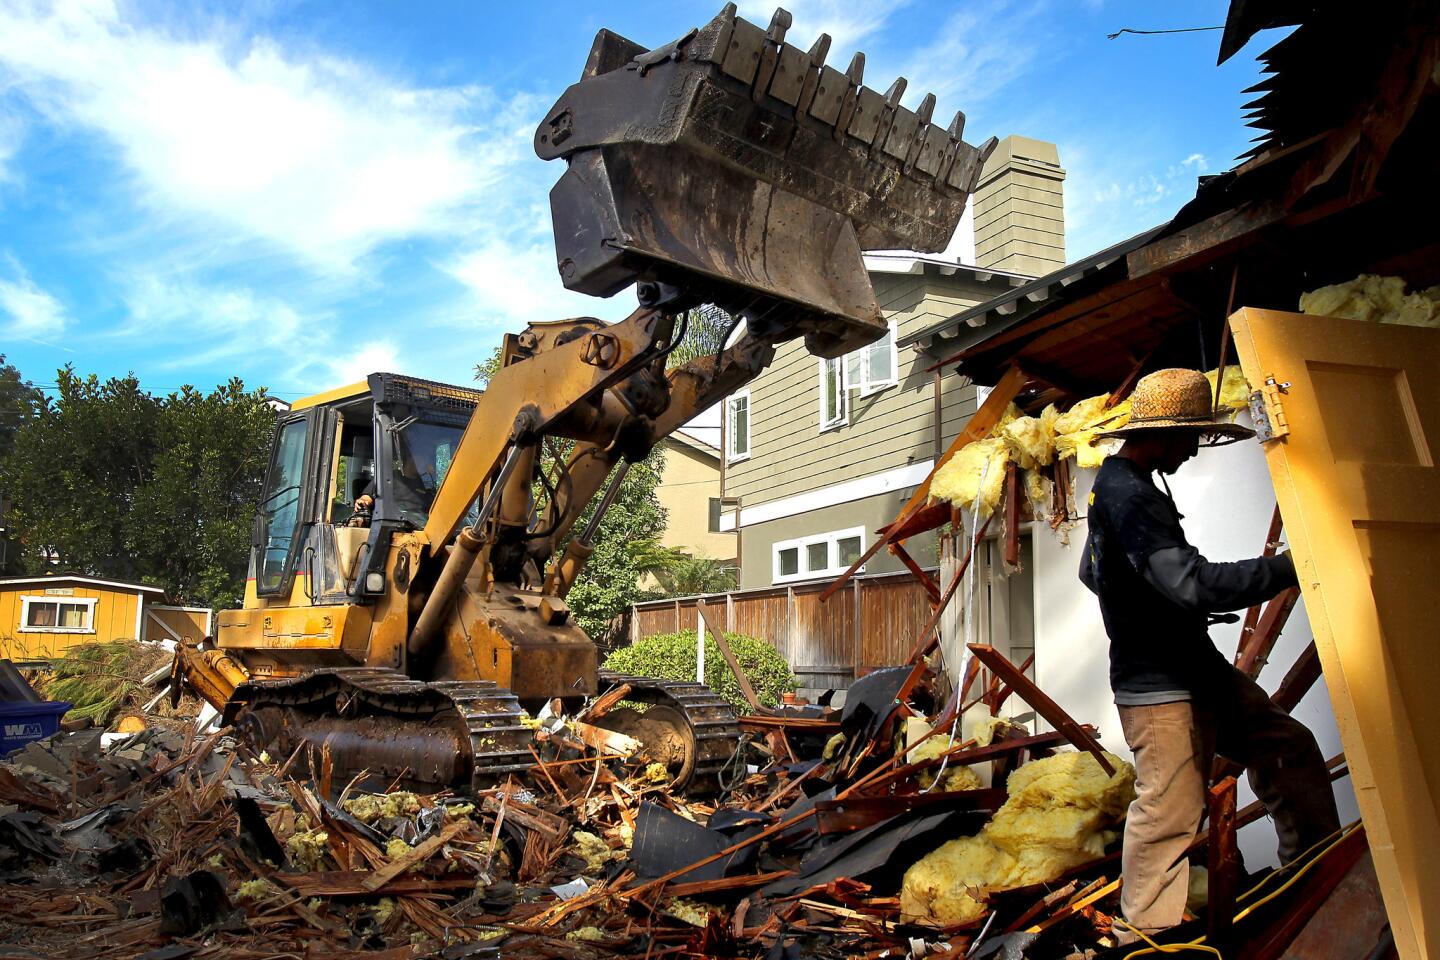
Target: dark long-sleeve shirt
{"x":1156,"y":591}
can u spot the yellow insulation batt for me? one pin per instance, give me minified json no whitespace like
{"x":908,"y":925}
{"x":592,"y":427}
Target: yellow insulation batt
{"x":1076,"y":428}
{"x":1375,"y":299}
{"x":977,"y":469}
{"x":1062,"y":812}
{"x":1236,"y":393}
{"x":1033,"y":438}
{"x":957,"y":777}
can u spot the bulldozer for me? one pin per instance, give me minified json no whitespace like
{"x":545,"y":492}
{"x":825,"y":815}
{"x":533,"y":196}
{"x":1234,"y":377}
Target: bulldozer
{"x":408,"y":638}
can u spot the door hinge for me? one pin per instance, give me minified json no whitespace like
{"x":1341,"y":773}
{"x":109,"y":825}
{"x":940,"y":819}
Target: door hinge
{"x":1267,"y":411}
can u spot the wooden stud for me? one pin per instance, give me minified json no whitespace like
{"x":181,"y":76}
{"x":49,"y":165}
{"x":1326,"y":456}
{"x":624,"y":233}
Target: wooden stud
{"x":746,"y":690}
{"x":1252,"y":616}
{"x":1224,"y":863}
{"x":1012,"y":515}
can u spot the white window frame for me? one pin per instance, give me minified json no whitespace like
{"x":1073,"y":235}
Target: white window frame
{"x":27,"y":601}
{"x":731,"y":454}
{"x":833,"y":565}
{"x":857,"y":367}
{"x":842,"y":416}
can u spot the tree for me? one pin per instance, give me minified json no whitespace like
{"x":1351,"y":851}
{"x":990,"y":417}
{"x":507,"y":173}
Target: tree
{"x":109,"y":480}
{"x":706,"y":328}
{"x":19,"y":402}
{"x":196,"y":508}
{"x":73,"y":470}
{"x":610,"y":581}
{"x":688,"y":576}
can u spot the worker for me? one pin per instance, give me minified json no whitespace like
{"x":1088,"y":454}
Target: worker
{"x":1180,"y":701}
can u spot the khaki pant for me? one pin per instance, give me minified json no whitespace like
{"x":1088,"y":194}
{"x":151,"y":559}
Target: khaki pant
{"x":1174,"y":745}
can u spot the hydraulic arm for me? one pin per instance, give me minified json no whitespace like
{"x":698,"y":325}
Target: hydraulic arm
{"x":727,"y":168}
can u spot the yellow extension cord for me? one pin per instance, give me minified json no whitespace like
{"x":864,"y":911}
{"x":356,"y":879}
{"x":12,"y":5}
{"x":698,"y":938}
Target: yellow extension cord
{"x":1198,"y":943}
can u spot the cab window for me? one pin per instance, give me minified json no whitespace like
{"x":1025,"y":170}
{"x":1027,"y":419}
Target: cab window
{"x":280,"y":507}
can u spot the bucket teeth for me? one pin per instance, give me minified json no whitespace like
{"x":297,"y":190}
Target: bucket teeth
{"x":735,"y":160}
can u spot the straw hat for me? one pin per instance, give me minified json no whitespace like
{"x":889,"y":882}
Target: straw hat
{"x":1176,"y":399}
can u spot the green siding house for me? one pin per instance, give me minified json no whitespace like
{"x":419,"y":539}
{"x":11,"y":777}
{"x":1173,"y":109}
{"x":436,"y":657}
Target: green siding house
{"x":819,"y":453}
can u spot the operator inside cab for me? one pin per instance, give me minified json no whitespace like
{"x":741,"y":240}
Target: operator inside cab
{"x":422,"y":455}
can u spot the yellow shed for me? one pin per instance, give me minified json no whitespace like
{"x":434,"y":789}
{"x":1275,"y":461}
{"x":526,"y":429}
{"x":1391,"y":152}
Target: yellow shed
{"x":45,"y":616}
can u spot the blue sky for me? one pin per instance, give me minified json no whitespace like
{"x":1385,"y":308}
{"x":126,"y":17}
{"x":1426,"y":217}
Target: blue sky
{"x":300,"y":193}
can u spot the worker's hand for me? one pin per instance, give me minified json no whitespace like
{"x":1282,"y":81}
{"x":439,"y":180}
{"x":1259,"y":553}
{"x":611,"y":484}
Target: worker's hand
{"x":364,"y":502}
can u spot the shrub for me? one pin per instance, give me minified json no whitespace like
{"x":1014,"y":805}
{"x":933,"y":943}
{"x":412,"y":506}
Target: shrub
{"x":671,"y":656}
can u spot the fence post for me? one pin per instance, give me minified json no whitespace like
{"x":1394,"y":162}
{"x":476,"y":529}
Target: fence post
{"x":699,"y":644}
{"x":730,"y":612}
{"x":859,"y":631}
{"x":789,"y":623}
{"x":678,"y":626}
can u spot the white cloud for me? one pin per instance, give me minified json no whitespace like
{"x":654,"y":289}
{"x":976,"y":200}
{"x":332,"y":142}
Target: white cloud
{"x":514,"y":283}
{"x":27,"y":312}
{"x":316,"y":154}
{"x":848,"y":22}
{"x":976,"y":52}
{"x":10,"y":134}
{"x":367,"y":358}
{"x":1107,"y":203}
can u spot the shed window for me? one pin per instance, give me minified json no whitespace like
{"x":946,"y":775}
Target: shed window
{"x":43,"y":614}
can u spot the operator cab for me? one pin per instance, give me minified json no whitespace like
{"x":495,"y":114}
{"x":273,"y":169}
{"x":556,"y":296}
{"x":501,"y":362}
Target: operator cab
{"x":347,"y":468}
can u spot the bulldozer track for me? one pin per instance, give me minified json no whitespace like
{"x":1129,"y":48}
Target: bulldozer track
{"x":712,"y":721}
{"x":322,"y":703}
{"x":488,"y":717}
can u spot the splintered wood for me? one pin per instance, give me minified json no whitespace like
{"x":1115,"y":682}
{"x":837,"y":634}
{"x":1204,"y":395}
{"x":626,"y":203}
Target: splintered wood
{"x":189,"y":845}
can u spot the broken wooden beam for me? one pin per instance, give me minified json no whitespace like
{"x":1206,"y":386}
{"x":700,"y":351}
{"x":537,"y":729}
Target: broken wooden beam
{"x":605,"y":741}
{"x":978,"y":427}
{"x":927,"y":582}
{"x":1272,"y":536}
{"x":1257,"y":647}
{"x":1026,"y":690}
{"x":1299,"y":679}
{"x":761,"y":723}
{"x":417,"y":854}
{"x":746,"y":690}
{"x":606,"y":702}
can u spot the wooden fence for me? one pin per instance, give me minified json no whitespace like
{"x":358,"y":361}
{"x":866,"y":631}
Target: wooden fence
{"x":871,"y":623}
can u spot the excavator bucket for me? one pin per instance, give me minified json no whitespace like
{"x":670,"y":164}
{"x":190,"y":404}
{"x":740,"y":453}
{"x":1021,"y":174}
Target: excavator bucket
{"x":750,"y":174}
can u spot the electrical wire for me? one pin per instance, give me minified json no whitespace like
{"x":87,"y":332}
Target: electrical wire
{"x":1165,"y":947}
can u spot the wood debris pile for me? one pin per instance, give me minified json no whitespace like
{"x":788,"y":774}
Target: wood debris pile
{"x":173,"y":844}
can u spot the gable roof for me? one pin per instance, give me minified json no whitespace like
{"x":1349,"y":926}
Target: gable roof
{"x":77,"y":578}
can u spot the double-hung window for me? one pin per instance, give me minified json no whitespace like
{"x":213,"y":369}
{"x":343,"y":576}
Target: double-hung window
{"x":737,"y":426}
{"x":833,"y":399}
{"x":868,"y":370}
{"x":49,"y":615}
{"x":872,"y":368}
{"x":819,"y":555}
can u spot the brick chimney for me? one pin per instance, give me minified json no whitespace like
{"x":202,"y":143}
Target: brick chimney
{"x":1019,"y":208}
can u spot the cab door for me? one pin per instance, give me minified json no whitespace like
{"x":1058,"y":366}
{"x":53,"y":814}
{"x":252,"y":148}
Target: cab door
{"x":295,"y":482}
{"x":1359,"y":490}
